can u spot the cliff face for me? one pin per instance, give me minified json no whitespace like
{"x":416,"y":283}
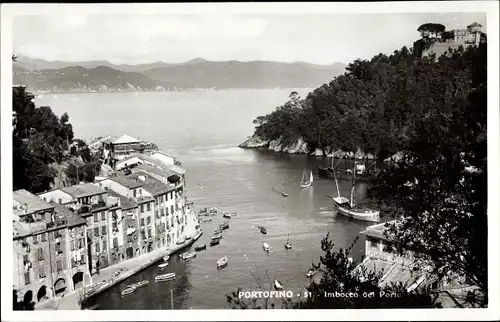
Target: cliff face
{"x":299,"y":147}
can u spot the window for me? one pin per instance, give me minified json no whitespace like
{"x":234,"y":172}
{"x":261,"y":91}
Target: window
{"x":59,"y":265}
{"x":149,"y":233}
{"x":135,"y":193}
{"x":142,"y":208}
{"x":96,"y":217}
{"x":104,"y":245}
{"x":115,"y":242}
{"x":39,"y":254}
{"x":97,"y":248}
{"x":103,"y":216}
{"x":71,"y":245}
{"x":25,"y":258}
{"x":44,"y":237}
{"x":172,"y":209}
{"x":149,"y":220}
{"x":148,"y":206}
{"x":373,"y":243}
{"x":166,"y":210}
{"x":104,"y":230}
{"x":60,"y":201}
{"x":27,"y":278}
{"x":96,"y":232}
{"x":162,"y":212}
{"x":41,"y":272}
{"x":142,"y":221}
{"x":35,"y":239}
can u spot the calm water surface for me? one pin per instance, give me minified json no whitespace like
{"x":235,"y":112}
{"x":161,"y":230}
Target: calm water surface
{"x":203,"y":130}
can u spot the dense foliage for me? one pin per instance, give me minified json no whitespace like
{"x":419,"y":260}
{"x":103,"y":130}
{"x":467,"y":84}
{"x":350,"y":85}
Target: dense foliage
{"x":438,"y":192}
{"x":342,"y":276}
{"x":374,"y":106}
{"x":40,"y":139}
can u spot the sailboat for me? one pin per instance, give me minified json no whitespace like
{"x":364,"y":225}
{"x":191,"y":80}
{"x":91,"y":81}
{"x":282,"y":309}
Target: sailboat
{"x":288,"y":245}
{"x":306,"y":180}
{"x":347,"y":207}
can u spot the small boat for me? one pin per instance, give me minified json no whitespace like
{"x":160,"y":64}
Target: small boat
{"x":165,"y":277}
{"x":222,"y":262}
{"x":188,"y":237}
{"x":187,"y":256}
{"x":139,"y":284}
{"x":288,"y":245}
{"x":166,"y":258}
{"x":311,"y":272}
{"x":200,"y":247}
{"x":266,"y":247}
{"x":263,"y":230}
{"x":217,"y":236}
{"x":278,"y":285}
{"x":181,"y":241}
{"x":128,"y":290}
{"x":224,"y":225}
{"x":214,"y":242}
{"x":348,"y":208}
{"x":206,"y":219}
{"x":217,"y":231}
{"x":226,"y":215}
{"x":233,"y":214}
{"x":307,"y":180}
{"x":284,"y":194}
{"x":163,"y":265}
{"x":198,"y":235}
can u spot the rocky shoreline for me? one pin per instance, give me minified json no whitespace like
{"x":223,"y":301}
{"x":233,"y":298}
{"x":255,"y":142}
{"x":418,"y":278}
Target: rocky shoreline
{"x":300,"y":147}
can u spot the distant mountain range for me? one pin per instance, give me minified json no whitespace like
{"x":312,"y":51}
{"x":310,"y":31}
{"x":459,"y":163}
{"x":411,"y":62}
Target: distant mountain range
{"x":102,"y":76}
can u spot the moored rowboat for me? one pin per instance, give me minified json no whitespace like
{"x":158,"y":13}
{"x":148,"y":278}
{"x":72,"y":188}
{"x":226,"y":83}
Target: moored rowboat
{"x":165,"y":277}
{"x":128,"y":290}
{"x":222,"y":262}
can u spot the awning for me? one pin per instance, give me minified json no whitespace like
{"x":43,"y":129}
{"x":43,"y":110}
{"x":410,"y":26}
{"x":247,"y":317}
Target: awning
{"x":60,"y":284}
{"x":173,"y":178}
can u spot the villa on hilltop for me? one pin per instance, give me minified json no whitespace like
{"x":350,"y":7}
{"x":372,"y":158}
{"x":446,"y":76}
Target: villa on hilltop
{"x":439,"y":43}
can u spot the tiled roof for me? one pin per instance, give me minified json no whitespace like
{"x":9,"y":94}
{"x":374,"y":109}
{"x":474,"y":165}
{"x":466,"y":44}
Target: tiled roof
{"x":377,"y":231}
{"x":72,"y":219}
{"x":152,"y":185}
{"x":154,"y":170}
{"x":83,"y":190}
{"x":32,"y":202}
{"x":126,"y":139}
{"x":126,"y":181}
{"x":393,"y":272}
{"x":126,"y":203}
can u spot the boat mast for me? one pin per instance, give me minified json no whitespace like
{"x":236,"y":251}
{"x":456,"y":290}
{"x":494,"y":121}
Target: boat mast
{"x":336,"y":184}
{"x":353,"y":184}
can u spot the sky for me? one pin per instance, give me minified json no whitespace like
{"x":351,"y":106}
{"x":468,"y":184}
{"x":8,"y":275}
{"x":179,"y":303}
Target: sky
{"x":141,"y":38}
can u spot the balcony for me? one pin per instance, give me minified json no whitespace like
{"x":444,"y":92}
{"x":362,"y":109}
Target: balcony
{"x":100,"y":204}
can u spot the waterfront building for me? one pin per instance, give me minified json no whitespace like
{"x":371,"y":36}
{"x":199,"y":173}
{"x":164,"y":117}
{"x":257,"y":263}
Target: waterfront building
{"x":49,"y":248}
{"x":93,"y":204}
{"x":126,"y":146}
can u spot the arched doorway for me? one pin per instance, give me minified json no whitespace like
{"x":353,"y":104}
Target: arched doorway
{"x":78,"y":280}
{"x":42,"y":293}
{"x":28,"y":297}
{"x":60,"y":286}
{"x":130,"y":252}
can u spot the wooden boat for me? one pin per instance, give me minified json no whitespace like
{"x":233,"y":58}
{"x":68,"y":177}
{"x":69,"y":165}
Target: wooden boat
{"x":266,"y":247}
{"x":166,"y":258}
{"x":181,"y":241}
{"x":349,"y":209}
{"x":233,"y":214}
{"x":200,"y":247}
{"x":163,"y":265}
{"x":311,"y":272}
{"x":224,"y":225}
{"x":222,"y":262}
{"x":307,"y":179}
{"x":198,"y":235}
{"x":139,"y":284}
{"x":206,"y":219}
{"x":214,"y":242}
{"x":217,"y":231}
{"x":284,"y":194}
{"x":226,"y":215}
{"x":278,"y":285}
{"x":288,"y":245}
{"x":188,"y":238}
{"x":188,"y":255}
{"x":165,"y":277}
{"x":263,"y":230}
{"x":216,"y":236}
{"x":128,"y":290}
